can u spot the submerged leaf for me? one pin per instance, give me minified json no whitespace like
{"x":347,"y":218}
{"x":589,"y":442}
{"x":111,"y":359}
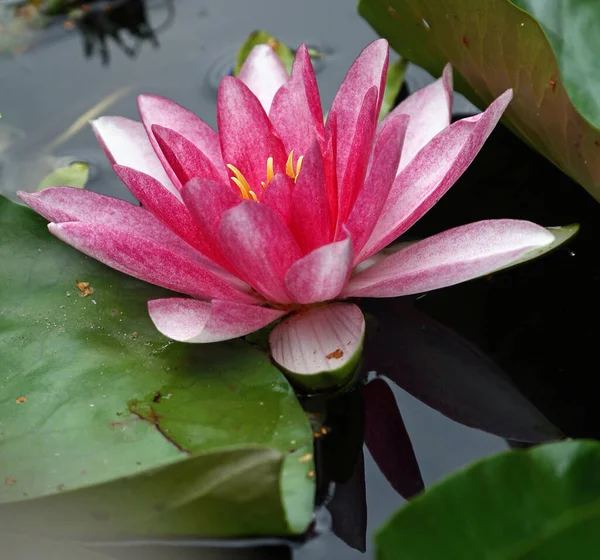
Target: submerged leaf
{"x":446,"y":372}
{"x":348,"y":508}
{"x":388,"y":441}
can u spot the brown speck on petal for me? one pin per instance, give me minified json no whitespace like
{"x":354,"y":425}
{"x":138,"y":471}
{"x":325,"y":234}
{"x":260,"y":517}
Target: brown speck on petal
{"x":21,"y":400}
{"x":337,"y":354}
{"x":60,"y":486}
{"x":9,"y":480}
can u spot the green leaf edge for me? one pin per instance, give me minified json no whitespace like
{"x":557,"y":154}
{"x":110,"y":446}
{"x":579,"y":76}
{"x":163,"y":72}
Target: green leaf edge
{"x":567,"y":85}
{"x":364,"y":9}
{"x":297,"y":503}
{"x":529,"y":455}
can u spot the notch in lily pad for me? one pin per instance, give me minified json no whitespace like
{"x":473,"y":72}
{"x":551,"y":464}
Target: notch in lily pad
{"x":320,"y":348}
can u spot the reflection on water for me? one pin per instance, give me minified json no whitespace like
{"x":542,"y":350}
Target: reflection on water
{"x":505,"y":356}
{"x":117,"y":21}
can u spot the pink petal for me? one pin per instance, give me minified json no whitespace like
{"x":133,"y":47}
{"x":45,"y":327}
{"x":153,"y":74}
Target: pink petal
{"x":278,"y":196}
{"x":164,"y":205}
{"x":264,"y":73}
{"x":206,"y":201}
{"x":431,"y":173}
{"x":149,"y":261}
{"x":190,"y":320}
{"x":184,"y":158}
{"x":318,"y":339}
{"x":296,"y":111}
{"x":322,"y":274}
{"x":448,"y":258}
{"x":158,"y":110}
{"x":372,"y":197}
{"x":358,"y":158}
{"x":259,"y":247}
{"x":126,"y":143}
{"x":247,"y":136}
{"x":329,"y":164}
{"x":68,"y":204}
{"x":311,"y":220}
{"x":430,"y":111}
{"x":369,"y":70}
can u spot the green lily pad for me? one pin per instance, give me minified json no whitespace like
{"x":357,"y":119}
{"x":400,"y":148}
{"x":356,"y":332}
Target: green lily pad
{"x":111,"y":429}
{"x":74,"y":175}
{"x":543,"y":503}
{"x":495,"y":45}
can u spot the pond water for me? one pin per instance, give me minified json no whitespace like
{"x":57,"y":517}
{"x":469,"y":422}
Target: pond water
{"x":460,"y":349}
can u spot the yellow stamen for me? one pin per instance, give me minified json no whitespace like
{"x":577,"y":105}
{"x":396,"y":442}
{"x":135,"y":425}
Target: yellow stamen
{"x":240,"y":181}
{"x":270,"y":172}
{"x":298,"y":167}
{"x":289,"y":166}
{"x":240,"y":186}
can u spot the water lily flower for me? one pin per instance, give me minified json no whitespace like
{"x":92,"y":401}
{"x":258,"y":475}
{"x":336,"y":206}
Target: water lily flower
{"x":282,"y":216}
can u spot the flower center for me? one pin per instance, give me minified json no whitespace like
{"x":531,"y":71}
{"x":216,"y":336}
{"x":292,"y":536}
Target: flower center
{"x":246,"y":190}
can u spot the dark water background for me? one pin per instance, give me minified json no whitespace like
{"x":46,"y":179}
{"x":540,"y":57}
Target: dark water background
{"x":538,"y":324}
